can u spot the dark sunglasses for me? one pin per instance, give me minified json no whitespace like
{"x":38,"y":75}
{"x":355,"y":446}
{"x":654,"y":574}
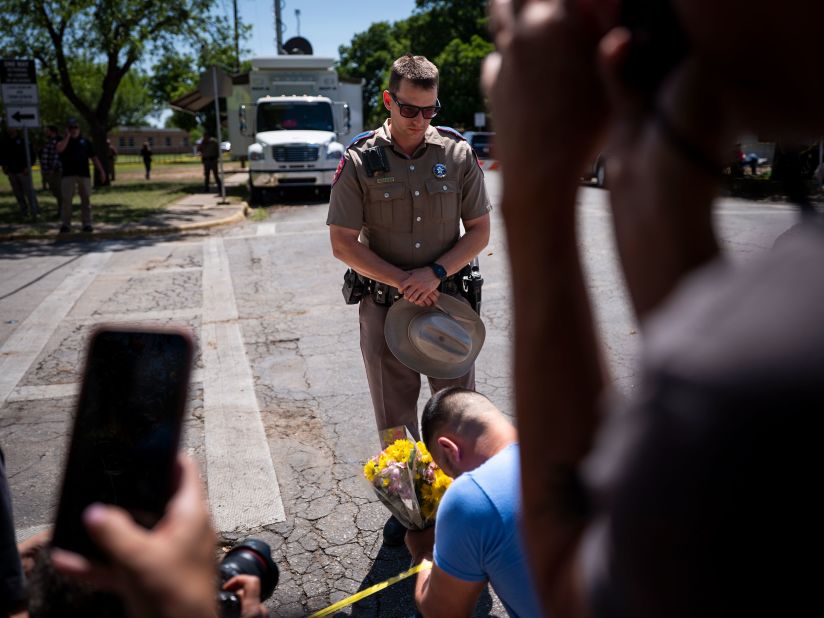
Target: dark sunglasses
{"x":410,"y":111}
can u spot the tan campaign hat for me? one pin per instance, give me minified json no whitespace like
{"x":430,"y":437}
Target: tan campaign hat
{"x":440,"y":341}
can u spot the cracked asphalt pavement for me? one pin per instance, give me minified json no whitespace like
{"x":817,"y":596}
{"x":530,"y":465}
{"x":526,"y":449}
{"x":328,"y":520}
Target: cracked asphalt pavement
{"x":301,"y":345}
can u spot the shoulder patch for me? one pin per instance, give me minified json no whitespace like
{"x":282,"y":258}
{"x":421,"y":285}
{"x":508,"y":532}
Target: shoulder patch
{"x":360,"y":137}
{"x":341,"y":163}
{"x":452,"y":132}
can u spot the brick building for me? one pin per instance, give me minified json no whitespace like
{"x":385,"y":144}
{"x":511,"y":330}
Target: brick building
{"x":129,"y":140}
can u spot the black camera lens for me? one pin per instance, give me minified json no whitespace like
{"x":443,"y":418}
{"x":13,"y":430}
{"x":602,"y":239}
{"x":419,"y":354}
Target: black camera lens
{"x":251,"y":557}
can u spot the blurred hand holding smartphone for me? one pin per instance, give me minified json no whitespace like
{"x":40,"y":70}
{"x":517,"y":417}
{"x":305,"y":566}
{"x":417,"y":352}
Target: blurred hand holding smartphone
{"x":126,"y":431}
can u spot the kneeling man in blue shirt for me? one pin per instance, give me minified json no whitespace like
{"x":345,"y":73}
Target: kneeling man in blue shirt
{"x":476,"y":536}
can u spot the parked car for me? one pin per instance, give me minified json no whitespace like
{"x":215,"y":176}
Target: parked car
{"x":481,"y":142}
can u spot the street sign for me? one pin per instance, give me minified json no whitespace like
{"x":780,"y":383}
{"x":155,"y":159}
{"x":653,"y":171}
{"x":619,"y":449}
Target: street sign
{"x":480,"y":120}
{"x":20,"y":94}
{"x":17,"y":71}
{"x":23,"y":116}
{"x":18,"y":84}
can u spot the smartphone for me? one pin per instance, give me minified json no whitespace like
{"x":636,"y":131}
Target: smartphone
{"x":658,"y":45}
{"x":126,"y":429}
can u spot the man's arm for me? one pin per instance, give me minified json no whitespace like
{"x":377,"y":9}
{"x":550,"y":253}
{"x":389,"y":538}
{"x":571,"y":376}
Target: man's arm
{"x":61,"y":145}
{"x":356,"y":255}
{"x":558,"y":373}
{"x":99,"y":167}
{"x":437,"y":593}
{"x":422,"y":281}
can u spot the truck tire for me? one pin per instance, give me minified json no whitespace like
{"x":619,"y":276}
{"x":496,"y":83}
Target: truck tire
{"x":255,"y":195}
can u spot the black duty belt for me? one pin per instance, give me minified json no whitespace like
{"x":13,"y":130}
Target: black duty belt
{"x":384,"y":294}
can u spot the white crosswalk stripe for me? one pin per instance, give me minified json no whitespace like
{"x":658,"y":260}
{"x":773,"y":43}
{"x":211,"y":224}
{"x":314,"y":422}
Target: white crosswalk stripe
{"x":243,"y":487}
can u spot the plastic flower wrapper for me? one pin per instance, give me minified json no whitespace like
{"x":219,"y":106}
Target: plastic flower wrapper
{"x":406,"y":479}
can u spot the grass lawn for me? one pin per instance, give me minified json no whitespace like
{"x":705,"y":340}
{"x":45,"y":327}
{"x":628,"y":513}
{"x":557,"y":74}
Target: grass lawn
{"x":130,"y":198}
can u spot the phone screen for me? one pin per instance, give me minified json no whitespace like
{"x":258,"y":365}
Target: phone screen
{"x":126,"y":430}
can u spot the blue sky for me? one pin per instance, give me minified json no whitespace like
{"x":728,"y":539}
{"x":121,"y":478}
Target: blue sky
{"x":326,"y":23}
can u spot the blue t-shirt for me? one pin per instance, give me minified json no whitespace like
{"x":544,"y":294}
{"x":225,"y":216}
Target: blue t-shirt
{"x":477,"y":536}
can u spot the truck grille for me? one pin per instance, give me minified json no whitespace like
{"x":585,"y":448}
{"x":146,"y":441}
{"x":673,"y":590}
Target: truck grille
{"x":295,"y":154}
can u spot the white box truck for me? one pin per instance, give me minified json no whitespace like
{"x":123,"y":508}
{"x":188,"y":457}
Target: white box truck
{"x":292,"y":120}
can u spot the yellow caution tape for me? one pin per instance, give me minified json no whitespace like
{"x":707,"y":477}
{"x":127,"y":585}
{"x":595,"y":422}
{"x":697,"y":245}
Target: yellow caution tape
{"x":423,"y":566}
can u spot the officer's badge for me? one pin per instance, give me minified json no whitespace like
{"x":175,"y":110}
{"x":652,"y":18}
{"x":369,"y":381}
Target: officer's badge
{"x":341,"y":163}
{"x":439,"y":170}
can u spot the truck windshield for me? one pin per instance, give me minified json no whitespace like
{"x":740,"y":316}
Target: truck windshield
{"x":295,"y":116}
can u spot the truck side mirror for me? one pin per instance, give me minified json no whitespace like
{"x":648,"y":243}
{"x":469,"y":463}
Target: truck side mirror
{"x":343,"y":118}
{"x":241,"y":112}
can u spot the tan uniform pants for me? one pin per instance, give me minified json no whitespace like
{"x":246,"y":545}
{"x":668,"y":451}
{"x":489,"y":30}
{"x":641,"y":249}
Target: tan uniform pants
{"x":394,"y":386}
{"x":84,"y":187}
{"x":54,"y":180}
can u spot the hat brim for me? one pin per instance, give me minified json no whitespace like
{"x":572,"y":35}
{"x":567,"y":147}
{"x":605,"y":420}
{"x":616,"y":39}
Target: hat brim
{"x":396,"y":332}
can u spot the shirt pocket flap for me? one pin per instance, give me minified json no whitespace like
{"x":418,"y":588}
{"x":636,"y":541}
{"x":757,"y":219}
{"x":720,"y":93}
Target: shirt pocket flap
{"x":387,"y":192}
{"x":435,"y":186}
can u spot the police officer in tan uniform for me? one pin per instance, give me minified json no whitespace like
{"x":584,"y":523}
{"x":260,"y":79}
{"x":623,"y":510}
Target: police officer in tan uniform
{"x":397,"y":201}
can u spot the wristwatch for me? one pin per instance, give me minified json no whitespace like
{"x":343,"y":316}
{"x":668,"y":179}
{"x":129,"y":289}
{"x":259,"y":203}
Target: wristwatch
{"x":440,"y":271}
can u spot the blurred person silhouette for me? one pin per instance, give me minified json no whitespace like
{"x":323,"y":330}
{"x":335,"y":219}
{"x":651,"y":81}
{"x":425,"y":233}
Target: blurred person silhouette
{"x":694,"y":495}
{"x":209,"y":151}
{"x":15,"y":166}
{"x":146,"y":155}
{"x":75,"y":152}
{"x":50,"y":166}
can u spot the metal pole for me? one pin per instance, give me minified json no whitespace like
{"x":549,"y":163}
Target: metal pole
{"x":237,"y":40}
{"x":278,"y":28}
{"x":219,"y":138}
{"x":33,"y":205}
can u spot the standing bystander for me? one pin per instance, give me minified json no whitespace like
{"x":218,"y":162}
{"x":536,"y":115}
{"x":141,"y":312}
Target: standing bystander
{"x":112,"y":159}
{"x":50,"y":166}
{"x":75,"y":152}
{"x":209,"y":153}
{"x":146,"y":154}
{"x":15,"y":166}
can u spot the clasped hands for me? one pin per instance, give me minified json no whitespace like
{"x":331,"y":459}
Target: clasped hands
{"x":420,"y":287}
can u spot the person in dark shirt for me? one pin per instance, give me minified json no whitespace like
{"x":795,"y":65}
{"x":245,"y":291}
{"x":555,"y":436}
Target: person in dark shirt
{"x":146,"y":153}
{"x":75,"y":152}
{"x":50,"y":165}
{"x":15,"y":166}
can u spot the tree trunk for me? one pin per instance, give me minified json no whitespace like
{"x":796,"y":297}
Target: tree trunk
{"x":99,"y":134}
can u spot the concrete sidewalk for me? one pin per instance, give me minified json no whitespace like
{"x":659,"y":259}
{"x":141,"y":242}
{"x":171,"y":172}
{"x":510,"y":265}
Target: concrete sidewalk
{"x":197,"y":211}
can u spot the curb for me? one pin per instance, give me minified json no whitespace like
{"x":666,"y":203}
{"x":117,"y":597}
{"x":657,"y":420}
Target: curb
{"x":237,"y":217}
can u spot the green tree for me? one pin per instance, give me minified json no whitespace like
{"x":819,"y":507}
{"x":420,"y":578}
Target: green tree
{"x":115,"y":34}
{"x":460,"y":90}
{"x":369,"y":57}
{"x":177,"y":73}
{"x":130,"y":106}
{"x":451,"y":33}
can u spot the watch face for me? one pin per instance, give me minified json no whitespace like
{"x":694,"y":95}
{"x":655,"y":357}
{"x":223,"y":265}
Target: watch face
{"x":440,"y":271}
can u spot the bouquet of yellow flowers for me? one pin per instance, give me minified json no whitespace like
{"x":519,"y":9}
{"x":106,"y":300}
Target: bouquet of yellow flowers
{"x":408,"y":482}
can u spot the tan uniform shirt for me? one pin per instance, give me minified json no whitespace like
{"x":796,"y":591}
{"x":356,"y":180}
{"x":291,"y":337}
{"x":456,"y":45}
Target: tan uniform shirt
{"x":409,"y":216}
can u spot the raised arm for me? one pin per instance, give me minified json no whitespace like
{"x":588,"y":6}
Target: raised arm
{"x":550,"y":114}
